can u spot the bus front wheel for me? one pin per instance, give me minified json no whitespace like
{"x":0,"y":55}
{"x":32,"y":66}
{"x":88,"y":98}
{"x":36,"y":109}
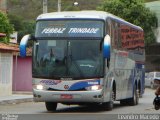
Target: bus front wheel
{"x":109,"y":105}
{"x":51,"y":106}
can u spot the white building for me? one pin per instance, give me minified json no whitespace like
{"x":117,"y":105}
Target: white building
{"x":6,"y":69}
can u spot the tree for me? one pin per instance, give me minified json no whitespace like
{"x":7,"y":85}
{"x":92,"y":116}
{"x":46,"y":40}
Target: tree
{"x":5,"y":27}
{"x":150,"y":0}
{"x":28,"y":28}
{"x":133,"y":11}
{"x":16,"y":21}
{"x":21,"y":26}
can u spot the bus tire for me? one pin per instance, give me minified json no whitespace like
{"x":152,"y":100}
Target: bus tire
{"x":135,"y":99}
{"x":109,"y":105}
{"x":51,"y":106}
{"x":140,"y":90}
{"x":123,"y":102}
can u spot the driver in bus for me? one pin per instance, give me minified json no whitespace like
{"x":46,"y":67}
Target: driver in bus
{"x":91,"y":55}
{"x":49,"y":56}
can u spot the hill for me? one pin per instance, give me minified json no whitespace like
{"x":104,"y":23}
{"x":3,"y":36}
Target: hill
{"x":30,"y":9}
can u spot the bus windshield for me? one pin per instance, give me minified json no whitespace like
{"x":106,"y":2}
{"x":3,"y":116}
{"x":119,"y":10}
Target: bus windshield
{"x":56,"y":59}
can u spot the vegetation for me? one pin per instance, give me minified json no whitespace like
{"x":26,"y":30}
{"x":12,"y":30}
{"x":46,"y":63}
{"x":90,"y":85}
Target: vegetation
{"x":135,"y":12}
{"x":22,"y":13}
{"x":30,"y":9}
{"x":23,"y":27}
{"x":150,"y":0}
{"x":5,"y":27}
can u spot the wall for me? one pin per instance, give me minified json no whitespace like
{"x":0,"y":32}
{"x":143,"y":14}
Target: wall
{"x":22,"y":74}
{"x":6,"y":63}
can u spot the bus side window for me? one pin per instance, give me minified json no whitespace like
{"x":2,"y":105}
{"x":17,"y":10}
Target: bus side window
{"x":108,"y":62}
{"x":108,"y":27}
{"x":112,"y":35}
{"x":119,"y":36}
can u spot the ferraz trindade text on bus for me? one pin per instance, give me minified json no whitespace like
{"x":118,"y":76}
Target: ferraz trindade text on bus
{"x":70,"y":30}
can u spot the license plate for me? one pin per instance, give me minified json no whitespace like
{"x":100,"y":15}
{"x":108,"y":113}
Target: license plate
{"x":66,"y":96}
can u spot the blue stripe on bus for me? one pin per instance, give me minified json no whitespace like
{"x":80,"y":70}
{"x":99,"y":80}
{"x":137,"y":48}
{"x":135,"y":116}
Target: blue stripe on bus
{"x":84,"y":84}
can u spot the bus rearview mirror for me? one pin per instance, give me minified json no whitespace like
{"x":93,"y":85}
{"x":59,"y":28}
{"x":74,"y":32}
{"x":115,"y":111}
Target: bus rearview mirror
{"x":23,"y":45}
{"x":106,"y":47}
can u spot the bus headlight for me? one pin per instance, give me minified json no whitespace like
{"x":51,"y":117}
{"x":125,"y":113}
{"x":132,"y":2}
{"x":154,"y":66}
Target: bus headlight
{"x":39,"y":87}
{"x":94,"y":87}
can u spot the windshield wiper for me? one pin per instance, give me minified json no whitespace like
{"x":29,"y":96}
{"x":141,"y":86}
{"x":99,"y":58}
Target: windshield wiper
{"x":76,"y":66}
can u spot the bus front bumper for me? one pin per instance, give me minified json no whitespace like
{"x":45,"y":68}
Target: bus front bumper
{"x":68,"y":96}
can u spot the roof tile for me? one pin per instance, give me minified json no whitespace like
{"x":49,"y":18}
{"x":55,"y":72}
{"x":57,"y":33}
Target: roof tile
{"x":9,"y":47}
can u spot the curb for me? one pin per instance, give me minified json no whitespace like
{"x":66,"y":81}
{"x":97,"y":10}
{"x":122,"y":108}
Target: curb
{"x":22,"y":93}
{"x":16,"y":101}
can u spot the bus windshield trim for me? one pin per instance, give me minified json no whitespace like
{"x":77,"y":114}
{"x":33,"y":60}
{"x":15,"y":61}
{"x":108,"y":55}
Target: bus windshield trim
{"x":71,"y":38}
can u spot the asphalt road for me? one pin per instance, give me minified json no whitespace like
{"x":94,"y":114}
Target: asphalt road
{"x":30,"y":110}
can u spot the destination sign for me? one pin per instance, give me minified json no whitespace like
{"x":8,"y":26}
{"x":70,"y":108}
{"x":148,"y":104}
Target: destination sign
{"x":53,"y":30}
{"x":69,"y":28}
{"x":84,"y":30}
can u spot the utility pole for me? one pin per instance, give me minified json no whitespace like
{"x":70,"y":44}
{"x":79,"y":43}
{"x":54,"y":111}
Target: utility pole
{"x":59,"y":6}
{"x":45,"y":6}
{"x":3,"y":6}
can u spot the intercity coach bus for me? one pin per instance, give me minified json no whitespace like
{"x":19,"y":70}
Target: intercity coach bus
{"x":86,"y":58}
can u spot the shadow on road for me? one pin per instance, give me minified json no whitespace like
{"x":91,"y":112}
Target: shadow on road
{"x":84,"y":109}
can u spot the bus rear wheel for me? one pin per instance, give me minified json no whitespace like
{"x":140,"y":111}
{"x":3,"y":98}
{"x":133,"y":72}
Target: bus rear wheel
{"x":51,"y":106}
{"x":135,"y":99}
